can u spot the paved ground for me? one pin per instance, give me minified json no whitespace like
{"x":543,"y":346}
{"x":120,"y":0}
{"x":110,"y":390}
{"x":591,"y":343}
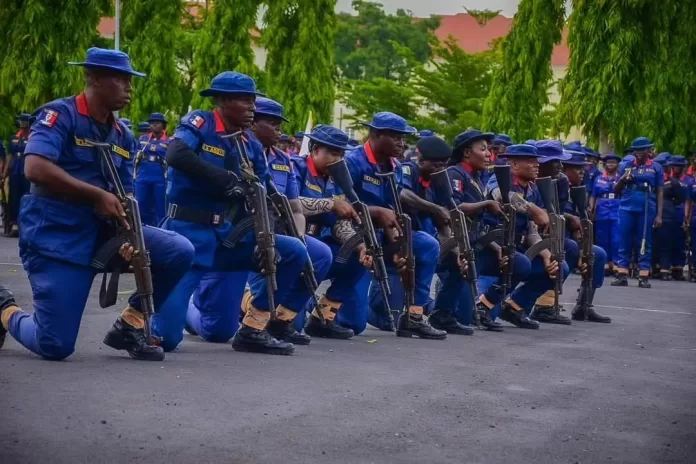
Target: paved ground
{"x":618,"y":393}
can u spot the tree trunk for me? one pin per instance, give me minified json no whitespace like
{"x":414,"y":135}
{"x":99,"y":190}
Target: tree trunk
{"x":606,"y":146}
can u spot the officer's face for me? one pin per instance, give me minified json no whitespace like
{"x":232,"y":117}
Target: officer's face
{"x":427,"y":167}
{"x":677,"y":171}
{"x":525,"y":168}
{"x":322,"y":156}
{"x":24,"y":124}
{"x":114,"y":89}
{"x":157,"y":126}
{"x":238,"y":110}
{"x":611,"y":165}
{"x":575,"y":174}
{"x":641,"y":155}
{"x":478,"y":155}
{"x":552,"y":168}
{"x":267,"y":130}
{"x":389,"y":143}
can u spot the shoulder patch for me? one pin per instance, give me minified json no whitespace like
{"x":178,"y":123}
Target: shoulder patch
{"x":281,"y":167}
{"x":120,"y":151}
{"x":197,"y":120}
{"x":48,"y":117}
{"x":458,"y":185}
{"x":214,"y":150}
{"x":407,"y":170}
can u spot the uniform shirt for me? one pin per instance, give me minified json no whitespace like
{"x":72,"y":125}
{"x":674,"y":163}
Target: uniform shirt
{"x":563,"y":187}
{"x":282,"y":172}
{"x":646,"y":176}
{"x":411,"y":180}
{"x":675,"y":195}
{"x":202,"y":131}
{"x":522,"y":222}
{"x":468,"y":187}
{"x":607,"y":202}
{"x":313,"y":185}
{"x":18,"y":144}
{"x":363,"y":169}
{"x":151,"y":156}
{"x":62,"y":229}
{"x":591,"y":175}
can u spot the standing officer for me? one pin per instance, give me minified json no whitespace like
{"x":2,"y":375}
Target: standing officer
{"x":150,"y":171}
{"x":379,"y":155}
{"x":690,"y":221}
{"x":671,"y":237}
{"x":330,"y":219}
{"x":592,"y":172}
{"x":604,"y":210}
{"x":14,"y":170}
{"x":62,"y":221}
{"x":640,"y":186}
{"x":205,"y":169}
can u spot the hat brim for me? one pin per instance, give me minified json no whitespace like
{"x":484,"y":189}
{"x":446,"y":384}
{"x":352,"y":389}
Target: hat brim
{"x":575,"y":163}
{"x":408,"y":130}
{"x":564,"y":157}
{"x":85,"y":64}
{"x":487,"y":136}
{"x":641,"y":147}
{"x":271,"y":115}
{"x":157,"y":120}
{"x":330,"y":144}
{"x":611,"y":157}
{"x":210,"y":92}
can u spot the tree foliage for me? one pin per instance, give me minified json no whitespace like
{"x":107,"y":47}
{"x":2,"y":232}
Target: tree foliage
{"x":367,"y":97}
{"x":151,"y":30}
{"x":520,"y":85}
{"x":365,"y":41}
{"x":188,"y":37}
{"x":299,"y":37}
{"x":225,"y":43}
{"x":39,"y":39}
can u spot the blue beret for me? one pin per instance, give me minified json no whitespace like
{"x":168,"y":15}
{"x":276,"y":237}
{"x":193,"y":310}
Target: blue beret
{"x":284,"y":138}
{"x":389,"y":122}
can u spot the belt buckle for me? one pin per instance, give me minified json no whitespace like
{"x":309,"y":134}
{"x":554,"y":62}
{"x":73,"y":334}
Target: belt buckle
{"x":217,"y":219}
{"x":172,"y":210}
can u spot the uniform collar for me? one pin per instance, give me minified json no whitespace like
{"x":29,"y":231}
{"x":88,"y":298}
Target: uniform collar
{"x":371,"y":155}
{"x":151,"y":136}
{"x":310,"y":166}
{"x":467,"y":167}
{"x":648,"y":162}
{"x":516,"y":181}
{"x":424,"y":183}
{"x":81,"y":103}
{"x":690,"y":171}
{"x":605,"y":175}
{"x":20,"y":134}
{"x":219,"y":123}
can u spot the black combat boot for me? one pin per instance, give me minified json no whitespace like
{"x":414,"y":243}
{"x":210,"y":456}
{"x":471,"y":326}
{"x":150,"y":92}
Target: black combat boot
{"x":608,"y":272}
{"x":123,"y":336}
{"x":251,"y":340}
{"x":549,"y":315}
{"x":285,"y":331}
{"x":410,"y":326}
{"x":678,"y":275}
{"x":693,"y":274}
{"x":442,"y":319}
{"x":643,"y":282}
{"x":6,"y":300}
{"x":486,"y":321}
{"x":585,"y":309}
{"x":664,"y":276}
{"x":327,"y":328}
{"x":620,"y":281}
{"x":517,"y":318}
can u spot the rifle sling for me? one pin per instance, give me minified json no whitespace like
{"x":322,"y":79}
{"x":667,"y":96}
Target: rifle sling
{"x":106,"y":260}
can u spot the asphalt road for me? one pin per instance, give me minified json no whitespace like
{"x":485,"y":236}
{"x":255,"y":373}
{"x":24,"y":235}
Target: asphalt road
{"x":618,"y":393}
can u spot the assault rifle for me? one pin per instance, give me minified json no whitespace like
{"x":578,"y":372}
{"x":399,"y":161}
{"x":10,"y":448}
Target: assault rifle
{"x":579,"y":197}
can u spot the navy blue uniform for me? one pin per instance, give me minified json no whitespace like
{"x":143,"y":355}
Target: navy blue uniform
{"x":150,"y":181}
{"x":671,"y":237}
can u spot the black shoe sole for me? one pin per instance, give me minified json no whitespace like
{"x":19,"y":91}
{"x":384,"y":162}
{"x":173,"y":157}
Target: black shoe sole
{"x":295,"y":341}
{"x":408,"y":333}
{"x":600,"y":321}
{"x":453,"y":330}
{"x":319,"y":332}
{"x":622,"y":284}
{"x":555,"y":321}
{"x":118,"y":345}
{"x":263,"y":350}
{"x":189,"y":330}
{"x":493,"y":329}
{"x":521,"y":326}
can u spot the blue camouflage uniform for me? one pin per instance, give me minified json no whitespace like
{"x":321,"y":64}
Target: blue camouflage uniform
{"x":647,"y":178}
{"x":59,"y":236}
{"x":150,"y":174}
{"x":202,"y":132}
{"x":671,"y":237}
{"x":607,"y":213}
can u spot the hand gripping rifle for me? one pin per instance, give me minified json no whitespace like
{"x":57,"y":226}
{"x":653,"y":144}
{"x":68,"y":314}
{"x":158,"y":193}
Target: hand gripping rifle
{"x":587,"y":256}
{"x":284,"y":211}
{"x":365,"y":234}
{"x":442,"y":188}
{"x":255,"y":196}
{"x":403,"y":245}
{"x":555,"y":242}
{"x":140,"y":262}
{"x":504,"y":177}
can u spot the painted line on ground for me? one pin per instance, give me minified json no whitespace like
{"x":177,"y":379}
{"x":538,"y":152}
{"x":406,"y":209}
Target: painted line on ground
{"x":634,"y":309}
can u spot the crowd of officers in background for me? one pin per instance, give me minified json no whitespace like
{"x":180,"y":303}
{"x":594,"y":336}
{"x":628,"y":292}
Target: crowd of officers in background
{"x":210,"y":272}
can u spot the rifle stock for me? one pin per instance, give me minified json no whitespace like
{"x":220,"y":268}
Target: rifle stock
{"x":503,"y":175}
{"x":587,"y":257}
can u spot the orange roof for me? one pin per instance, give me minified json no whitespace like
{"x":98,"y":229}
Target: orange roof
{"x":475,"y":38}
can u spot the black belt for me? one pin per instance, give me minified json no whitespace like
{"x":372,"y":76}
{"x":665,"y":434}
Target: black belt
{"x":154,"y":159}
{"x":197,"y":216}
{"x":610,"y":196}
{"x":44,"y":192}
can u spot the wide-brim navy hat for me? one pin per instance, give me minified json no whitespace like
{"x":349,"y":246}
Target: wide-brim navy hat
{"x":470,"y":136}
{"x":576,"y":159}
{"x":662,"y":158}
{"x":434,"y":148}
{"x":610,"y":157}
{"x":144,"y":127}
{"x":271,"y":108}
{"x":157,"y":117}
{"x":551,"y":150}
{"x":386,"y":121}
{"x":285,"y":138}
{"x":677,"y":161}
{"x":108,"y":59}
{"x":522,"y":150}
{"x":502,"y":139}
{"x":591,"y":153}
{"x":426,"y":133}
{"x":230,"y":83}
{"x":641,"y":143}
{"x":329,"y":136}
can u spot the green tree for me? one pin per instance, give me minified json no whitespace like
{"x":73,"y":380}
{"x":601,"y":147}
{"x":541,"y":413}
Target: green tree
{"x":610,"y":44}
{"x":365,"y":41}
{"x":151,"y":30}
{"x":299,"y":38}
{"x":367,"y":97}
{"x":40,"y":37}
{"x":189,"y":35}
{"x":454,"y":87}
{"x":520,"y":86}
{"x":225,"y":44}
